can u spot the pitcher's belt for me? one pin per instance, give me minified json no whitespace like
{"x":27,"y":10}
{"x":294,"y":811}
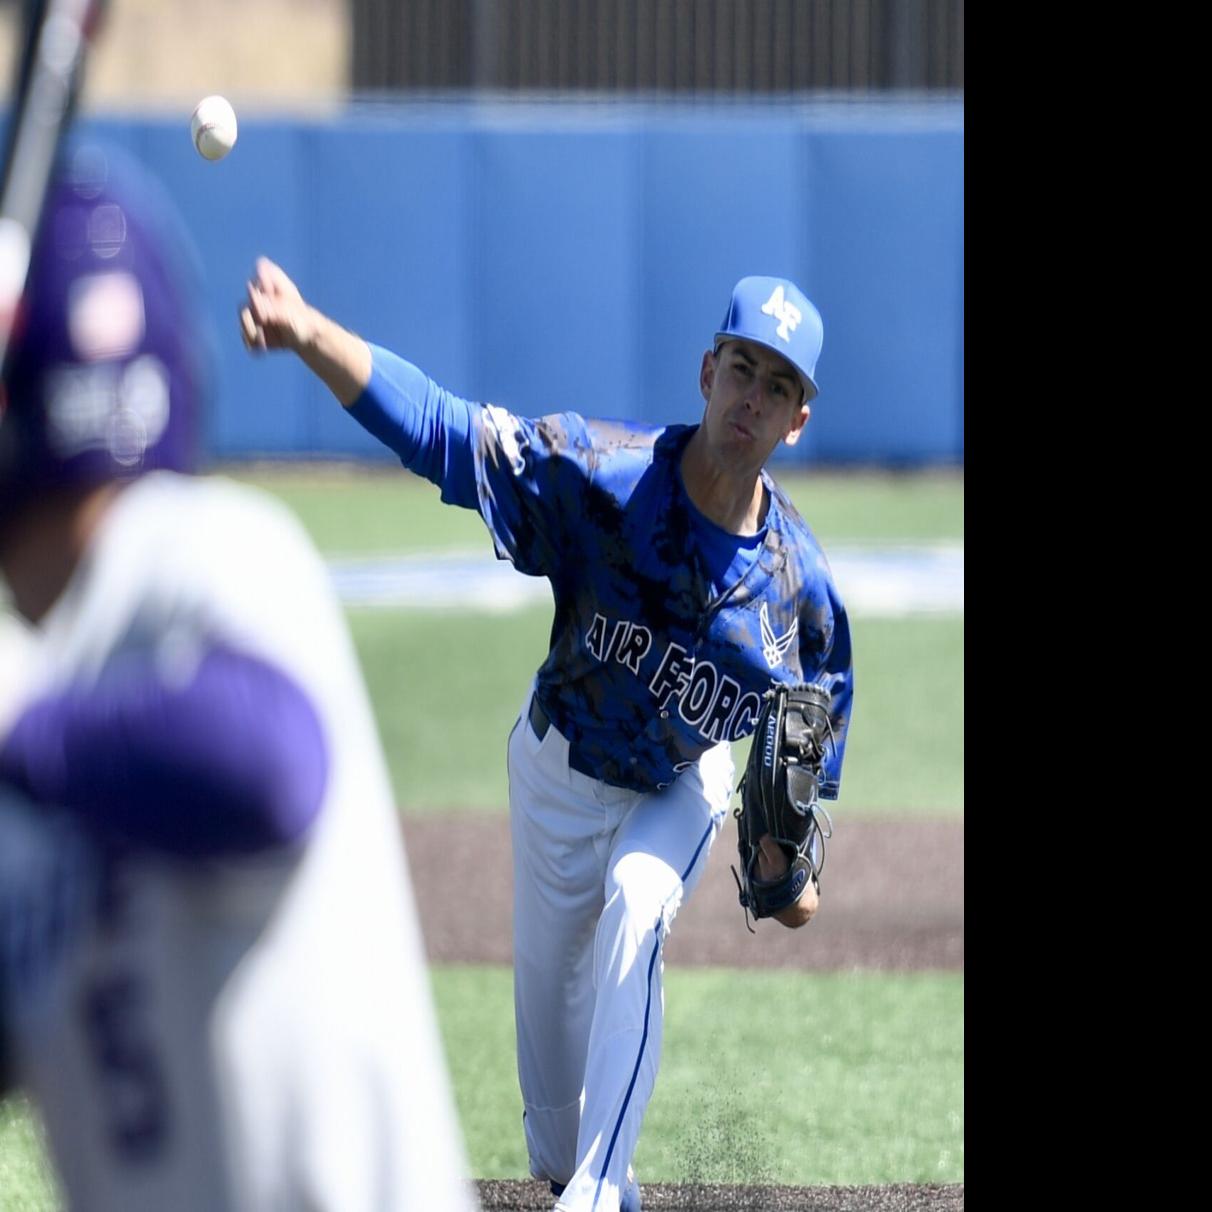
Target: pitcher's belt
{"x":539,"y":725}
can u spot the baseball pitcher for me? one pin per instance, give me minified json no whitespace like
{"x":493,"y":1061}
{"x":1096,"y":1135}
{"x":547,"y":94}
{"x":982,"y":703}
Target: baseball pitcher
{"x":687,"y":588}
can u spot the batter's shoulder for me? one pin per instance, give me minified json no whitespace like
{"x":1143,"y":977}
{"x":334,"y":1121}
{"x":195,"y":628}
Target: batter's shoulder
{"x":194,"y":536}
{"x":214,"y":510}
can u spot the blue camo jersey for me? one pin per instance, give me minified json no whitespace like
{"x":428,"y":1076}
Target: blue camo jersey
{"x":648,"y":666}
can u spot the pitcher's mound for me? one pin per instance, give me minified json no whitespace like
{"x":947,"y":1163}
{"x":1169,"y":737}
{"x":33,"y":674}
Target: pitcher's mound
{"x":509,"y":1195}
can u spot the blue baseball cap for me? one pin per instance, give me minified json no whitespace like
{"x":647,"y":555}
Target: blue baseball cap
{"x":774,"y":312}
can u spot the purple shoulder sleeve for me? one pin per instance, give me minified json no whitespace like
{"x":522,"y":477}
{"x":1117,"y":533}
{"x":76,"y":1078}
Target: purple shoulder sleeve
{"x":231,"y":761}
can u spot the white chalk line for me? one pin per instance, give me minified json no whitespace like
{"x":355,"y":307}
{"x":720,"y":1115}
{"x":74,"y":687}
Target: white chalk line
{"x":893,"y":581}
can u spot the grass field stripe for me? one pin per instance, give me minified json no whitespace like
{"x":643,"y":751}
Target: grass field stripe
{"x":875,"y":581}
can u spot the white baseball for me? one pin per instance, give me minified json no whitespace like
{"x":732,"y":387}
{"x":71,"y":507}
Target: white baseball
{"x":213,"y":127}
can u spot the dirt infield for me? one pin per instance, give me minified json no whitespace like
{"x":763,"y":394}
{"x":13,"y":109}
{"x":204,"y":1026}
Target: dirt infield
{"x":503,"y":1196}
{"x":892,"y":899}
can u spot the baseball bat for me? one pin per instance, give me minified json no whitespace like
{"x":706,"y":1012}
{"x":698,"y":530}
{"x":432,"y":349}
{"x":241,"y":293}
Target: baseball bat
{"x":46,"y":84}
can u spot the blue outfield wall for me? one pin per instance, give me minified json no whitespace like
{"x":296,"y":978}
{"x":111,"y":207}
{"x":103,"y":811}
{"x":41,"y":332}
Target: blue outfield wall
{"x":553,"y":257}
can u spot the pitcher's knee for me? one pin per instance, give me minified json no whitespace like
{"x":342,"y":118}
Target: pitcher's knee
{"x":642,"y":892}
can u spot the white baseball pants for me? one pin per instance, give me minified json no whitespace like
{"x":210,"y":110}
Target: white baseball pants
{"x":599,"y":873}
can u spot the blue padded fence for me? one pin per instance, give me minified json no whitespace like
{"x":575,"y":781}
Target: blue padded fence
{"x":579,"y":256}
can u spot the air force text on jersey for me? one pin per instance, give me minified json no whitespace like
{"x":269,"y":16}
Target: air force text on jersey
{"x":707,"y":700}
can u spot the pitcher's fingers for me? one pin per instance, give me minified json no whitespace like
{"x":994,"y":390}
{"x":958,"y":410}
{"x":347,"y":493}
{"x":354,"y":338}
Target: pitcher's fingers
{"x":253,"y":334}
{"x":272,"y":278}
{"x":772,"y":862}
{"x":261,"y":305}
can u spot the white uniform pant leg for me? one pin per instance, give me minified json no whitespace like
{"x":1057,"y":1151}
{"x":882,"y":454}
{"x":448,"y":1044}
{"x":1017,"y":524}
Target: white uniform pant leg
{"x":560,"y":849}
{"x":657,"y":856}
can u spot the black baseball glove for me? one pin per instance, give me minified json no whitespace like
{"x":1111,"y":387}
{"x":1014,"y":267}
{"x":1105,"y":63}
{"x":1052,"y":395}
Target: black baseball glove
{"x":779,"y":797}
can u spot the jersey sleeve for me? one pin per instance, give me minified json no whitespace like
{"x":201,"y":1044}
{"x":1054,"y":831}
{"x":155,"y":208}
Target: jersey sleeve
{"x":423,"y":423}
{"x":531,"y":476}
{"x":525,"y":477}
{"x":226,"y":758}
{"x":201,"y":729}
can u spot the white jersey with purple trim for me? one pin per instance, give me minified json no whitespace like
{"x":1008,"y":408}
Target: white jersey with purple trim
{"x":242,"y":1033}
{"x":16,"y":656}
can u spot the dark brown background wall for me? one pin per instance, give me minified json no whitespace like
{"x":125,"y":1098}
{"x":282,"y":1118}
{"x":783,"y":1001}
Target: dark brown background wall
{"x":734,"y":46}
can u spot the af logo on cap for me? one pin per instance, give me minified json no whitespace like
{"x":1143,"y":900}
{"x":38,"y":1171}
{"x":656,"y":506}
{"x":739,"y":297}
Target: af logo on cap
{"x":787,"y":314}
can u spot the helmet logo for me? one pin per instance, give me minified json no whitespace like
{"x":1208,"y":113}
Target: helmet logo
{"x":107,"y":230}
{"x":119,"y":409}
{"x":787,"y":314}
{"x":105,"y":316}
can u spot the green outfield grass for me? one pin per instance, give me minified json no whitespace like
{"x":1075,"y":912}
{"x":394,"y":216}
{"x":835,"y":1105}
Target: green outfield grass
{"x":358,"y":509}
{"x":905,"y":751}
{"x":864,"y":1081}
{"x":25,"y":1182}
{"x":864,"y":1085}
{"x":352,"y":509}
{"x":906,"y":746}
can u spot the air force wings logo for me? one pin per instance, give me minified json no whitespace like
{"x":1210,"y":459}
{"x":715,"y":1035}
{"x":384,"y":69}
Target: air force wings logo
{"x":774,"y":646}
{"x":787,"y":314}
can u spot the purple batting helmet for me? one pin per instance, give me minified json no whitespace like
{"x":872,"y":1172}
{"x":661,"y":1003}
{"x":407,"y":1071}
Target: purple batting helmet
{"x":107,"y":369}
